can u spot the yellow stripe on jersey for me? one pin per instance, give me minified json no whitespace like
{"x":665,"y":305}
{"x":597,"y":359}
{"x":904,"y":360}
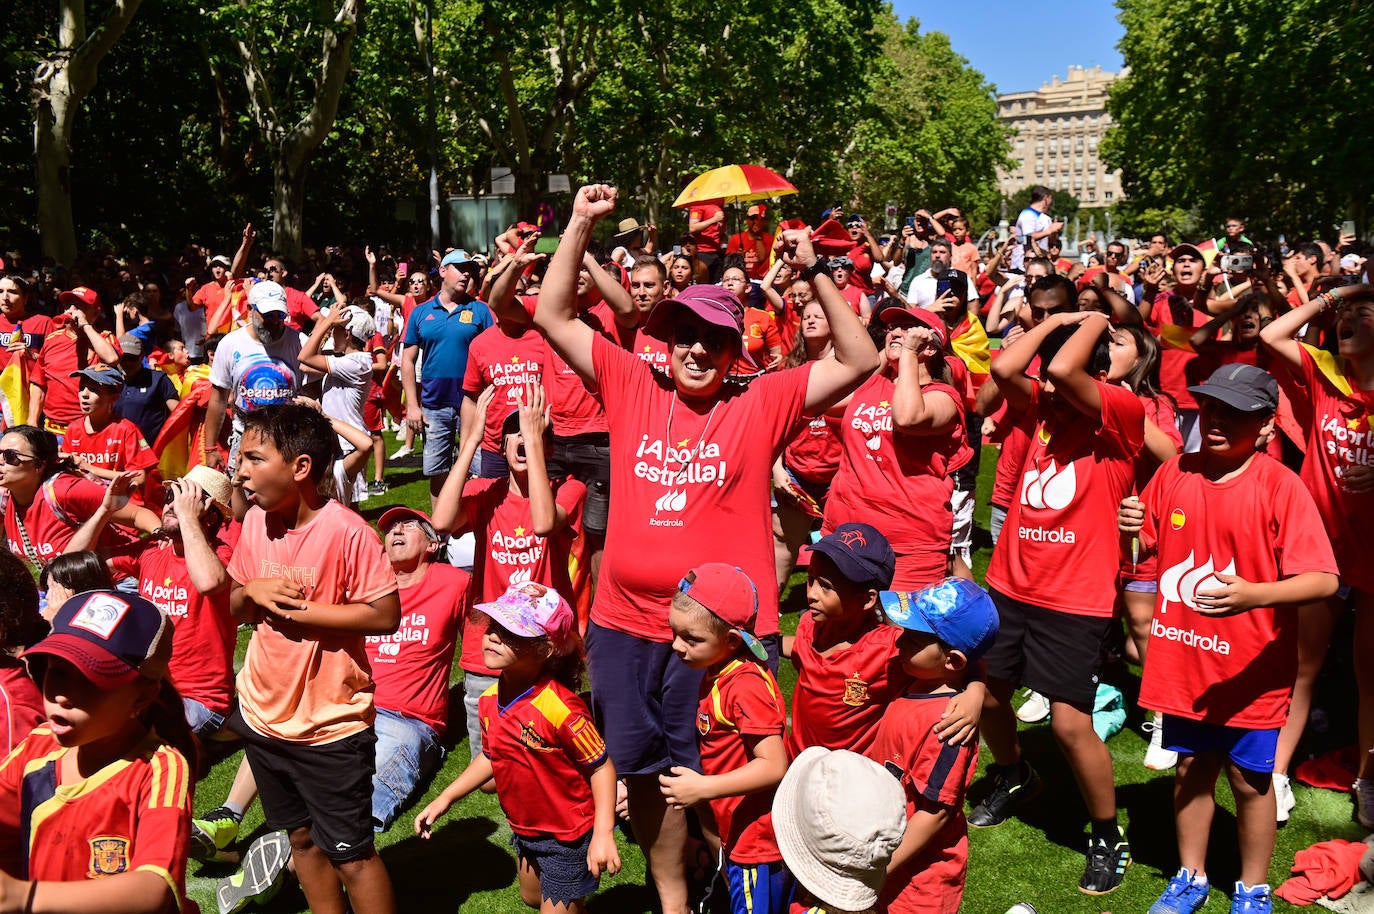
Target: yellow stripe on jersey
{"x":551,"y":706}
{"x":492,"y":689}
{"x":1329,"y":367}
{"x":715,"y":692}
{"x":167,"y":878}
{"x":67,"y":793}
{"x":587,"y":741}
{"x":171,"y":779}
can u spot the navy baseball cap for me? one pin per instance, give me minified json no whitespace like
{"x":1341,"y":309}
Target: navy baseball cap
{"x":861,"y":553}
{"x":111,"y":637}
{"x":956,"y":610}
{"x":1240,"y":386}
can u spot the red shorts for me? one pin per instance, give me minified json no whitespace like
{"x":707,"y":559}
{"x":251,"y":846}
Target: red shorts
{"x":372,"y":415}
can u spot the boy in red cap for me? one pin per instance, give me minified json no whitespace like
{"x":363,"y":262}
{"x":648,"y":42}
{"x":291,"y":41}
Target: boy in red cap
{"x":740,"y":720}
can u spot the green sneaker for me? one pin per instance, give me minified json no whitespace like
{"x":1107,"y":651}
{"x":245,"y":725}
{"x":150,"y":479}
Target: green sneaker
{"x":262,"y":875}
{"x":214,"y":834}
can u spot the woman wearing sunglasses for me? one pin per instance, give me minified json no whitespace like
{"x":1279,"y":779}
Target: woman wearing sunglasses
{"x":48,"y":500}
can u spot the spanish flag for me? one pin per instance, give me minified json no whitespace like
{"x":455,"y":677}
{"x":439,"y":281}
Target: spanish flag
{"x":970,"y":343}
{"x":14,"y":389}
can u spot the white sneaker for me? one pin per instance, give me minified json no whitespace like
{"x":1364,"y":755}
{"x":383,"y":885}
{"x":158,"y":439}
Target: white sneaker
{"x":1035,"y":708}
{"x":1283,"y":796}
{"x":1364,"y":801}
{"x":1157,"y":758}
{"x":401,"y":452}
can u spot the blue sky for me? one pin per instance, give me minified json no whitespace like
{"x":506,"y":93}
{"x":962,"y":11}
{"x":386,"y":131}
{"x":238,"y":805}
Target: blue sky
{"x":995,"y":36}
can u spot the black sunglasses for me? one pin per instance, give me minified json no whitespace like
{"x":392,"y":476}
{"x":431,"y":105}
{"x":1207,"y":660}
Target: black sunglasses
{"x":14,"y":458}
{"x":713,"y":339}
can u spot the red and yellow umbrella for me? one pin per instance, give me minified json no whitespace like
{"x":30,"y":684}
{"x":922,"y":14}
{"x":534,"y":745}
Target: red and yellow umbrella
{"x":735,"y":184}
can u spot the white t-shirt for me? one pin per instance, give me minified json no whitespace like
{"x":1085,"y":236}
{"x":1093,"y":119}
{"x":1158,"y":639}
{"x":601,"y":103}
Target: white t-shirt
{"x":345,"y":390}
{"x":256,"y":374}
{"x":922,"y":291}
{"x":1028,"y":223}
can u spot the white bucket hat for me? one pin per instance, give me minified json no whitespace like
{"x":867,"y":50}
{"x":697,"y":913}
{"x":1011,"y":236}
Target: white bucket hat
{"x":838,"y":818}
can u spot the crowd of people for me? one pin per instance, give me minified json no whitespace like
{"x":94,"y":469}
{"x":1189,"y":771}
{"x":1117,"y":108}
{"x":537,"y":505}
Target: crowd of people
{"x":630,"y":450}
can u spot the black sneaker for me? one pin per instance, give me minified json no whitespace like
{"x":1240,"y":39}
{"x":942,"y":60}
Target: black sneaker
{"x":1106,"y":866}
{"x":1005,"y":799}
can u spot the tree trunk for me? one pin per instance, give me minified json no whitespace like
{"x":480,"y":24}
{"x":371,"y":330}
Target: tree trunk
{"x":59,"y":85}
{"x":52,"y":134}
{"x":288,"y":204}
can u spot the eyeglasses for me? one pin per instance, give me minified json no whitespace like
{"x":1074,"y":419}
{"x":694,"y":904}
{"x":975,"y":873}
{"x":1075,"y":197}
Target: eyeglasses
{"x":1117,"y":254}
{"x":273,"y":269}
{"x":713,"y":339}
{"x":12,"y":457}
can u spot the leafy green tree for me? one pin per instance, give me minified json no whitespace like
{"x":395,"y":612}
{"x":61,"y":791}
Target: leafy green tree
{"x":1246,"y":107}
{"x":930,"y":137}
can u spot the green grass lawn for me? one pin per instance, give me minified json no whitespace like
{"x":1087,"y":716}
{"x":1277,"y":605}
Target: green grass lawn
{"x":468,"y":864}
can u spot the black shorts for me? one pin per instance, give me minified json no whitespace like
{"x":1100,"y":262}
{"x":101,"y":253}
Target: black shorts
{"x":326,"y":788}
{"x":587,"y":458}
{"x":561,"y":865}
{"x":1057,"y":654}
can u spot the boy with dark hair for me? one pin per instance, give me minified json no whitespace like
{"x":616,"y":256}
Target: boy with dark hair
{"x":312,"y":577}
{"x":740,"y":720}
{"x":1223,"y":650}
{"x":1054,"y":571}
{"x":944,"y":629}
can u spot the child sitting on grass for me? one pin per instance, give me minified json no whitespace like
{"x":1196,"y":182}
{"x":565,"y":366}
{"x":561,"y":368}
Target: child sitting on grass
{"x":740,"y":720}
{"x":554,"y":780}
{"x":1240,"y":546}
{"x":944,"y":628}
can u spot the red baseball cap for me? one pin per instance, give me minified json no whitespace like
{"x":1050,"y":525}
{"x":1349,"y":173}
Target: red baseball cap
{"x":727,"y":593}
{"x":80,"y":296}
{"x":111,"y":637}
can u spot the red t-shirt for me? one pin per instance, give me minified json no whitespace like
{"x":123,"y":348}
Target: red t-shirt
{"x":132,"y":815}
{"x":708,"y":239}
{"x":1261,"y":525}
{"x":543,"y":749}
{"x":411,"y":667}
{"x":1060,"y":548}
{"x":756,"y":251}
{"x":881,"y":468}
{"x":21,"y":704}
{"x":77,"y":498}
{"x":760,"y":337}
{"x":651,"y":349}
{"x":840,"y":695}
{"x":815,"y":451}
{"x":1337,"y":419}
{"x":507,"y":363}
{"x":573,"y":409}
{"x":1014,"y":430}
{"x":863,"y":267}
{"x":299,"y":307}
{"x":1176,"y":355}
{"x":507,"y":551}
{"x":34,"y":329}
{"x":63,"y":354}
{"x":742,"y":699}
{"x":691,"y":486}
{"x":117,"y":446}
{"x":203,"y":629}
{"x":855,"y":295}
{"x":937,"y":773}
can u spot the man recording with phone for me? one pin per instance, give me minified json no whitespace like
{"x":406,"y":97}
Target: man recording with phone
{"x":925,"y":288}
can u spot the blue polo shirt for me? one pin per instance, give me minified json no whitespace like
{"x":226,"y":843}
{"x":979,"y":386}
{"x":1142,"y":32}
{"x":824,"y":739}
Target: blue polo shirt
{"x":444,"y":337}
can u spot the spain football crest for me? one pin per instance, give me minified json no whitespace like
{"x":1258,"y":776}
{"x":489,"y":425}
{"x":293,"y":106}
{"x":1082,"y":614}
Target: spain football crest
{"x":703,"y":723}
{"x":855,"y":692}
{"x":109,"y":856}
{"x":530,"y":739}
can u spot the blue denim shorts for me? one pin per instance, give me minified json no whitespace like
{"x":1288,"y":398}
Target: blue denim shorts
{"x":441,"y":440}
{"x":408,"y":753}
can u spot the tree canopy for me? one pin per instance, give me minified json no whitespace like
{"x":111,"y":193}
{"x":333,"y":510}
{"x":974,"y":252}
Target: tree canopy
{"x":311,"y":117}
{"x":1247,"y":108}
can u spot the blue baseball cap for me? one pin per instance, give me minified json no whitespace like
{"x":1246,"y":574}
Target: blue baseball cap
{"x":861,"y":553}
{"x":458,"y":258}
{"x":956,"y":610}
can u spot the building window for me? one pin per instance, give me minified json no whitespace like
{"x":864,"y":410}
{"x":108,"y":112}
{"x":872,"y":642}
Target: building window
{"x":1108,"y":195}
{"x":1092,"y":196}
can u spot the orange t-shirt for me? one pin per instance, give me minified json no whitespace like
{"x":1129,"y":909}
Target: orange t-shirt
{"x":312,"y":686}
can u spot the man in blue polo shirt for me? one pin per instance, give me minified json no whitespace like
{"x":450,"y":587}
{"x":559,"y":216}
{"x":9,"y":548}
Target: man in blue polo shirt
{"x":443,"y":328}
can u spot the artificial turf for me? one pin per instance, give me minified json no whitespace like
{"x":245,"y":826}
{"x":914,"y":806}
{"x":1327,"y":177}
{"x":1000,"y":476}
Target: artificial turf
{"x":468,"y":864}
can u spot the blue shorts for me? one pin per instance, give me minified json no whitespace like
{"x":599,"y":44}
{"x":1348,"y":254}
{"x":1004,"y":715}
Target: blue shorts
{"x":408,"y":752}
{"x":1252,"y":750}
{"x":441,"y":440}
{"x":758,"y":888}
{"x":561,"y":865}
{"x":645,"y":702}
{"x":491,"y":464}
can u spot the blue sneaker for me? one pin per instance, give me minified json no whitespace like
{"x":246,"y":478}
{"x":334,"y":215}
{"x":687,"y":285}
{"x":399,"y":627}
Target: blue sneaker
{"x":1251,"y":899}
{"x":1186,"y":894}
